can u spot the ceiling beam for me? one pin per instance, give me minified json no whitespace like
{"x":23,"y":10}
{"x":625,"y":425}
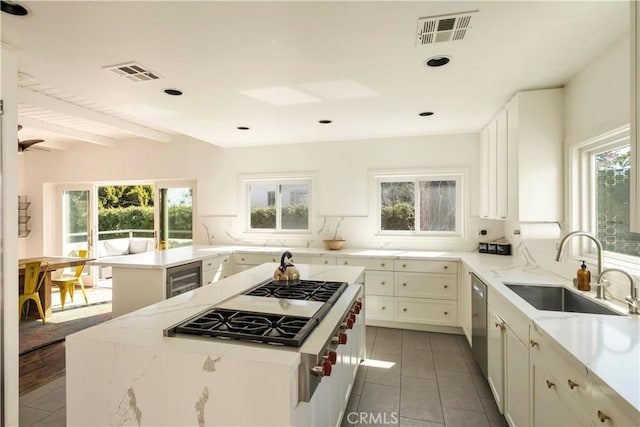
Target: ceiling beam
{"x":46,"y":102}
{"x":67,"y":131}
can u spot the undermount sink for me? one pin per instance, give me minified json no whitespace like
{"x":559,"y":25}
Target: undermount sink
{"x":558,"y":298}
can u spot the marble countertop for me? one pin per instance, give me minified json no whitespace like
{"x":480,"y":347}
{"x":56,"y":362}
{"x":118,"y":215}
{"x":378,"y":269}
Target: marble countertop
{"x":144,"y":327}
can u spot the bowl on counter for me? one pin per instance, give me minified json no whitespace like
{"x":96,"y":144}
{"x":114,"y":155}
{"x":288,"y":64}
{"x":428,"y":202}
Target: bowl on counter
{"x":333,"y":244}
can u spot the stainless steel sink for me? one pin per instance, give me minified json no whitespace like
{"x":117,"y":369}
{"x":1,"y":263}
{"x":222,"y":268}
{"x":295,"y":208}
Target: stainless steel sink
{"x":557,"y":298}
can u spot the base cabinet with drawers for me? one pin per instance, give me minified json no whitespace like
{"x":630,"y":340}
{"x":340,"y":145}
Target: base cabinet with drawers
{"x":216,"y":268}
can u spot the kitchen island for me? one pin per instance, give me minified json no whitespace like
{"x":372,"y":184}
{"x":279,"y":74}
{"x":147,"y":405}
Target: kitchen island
{"x":128,"y":372}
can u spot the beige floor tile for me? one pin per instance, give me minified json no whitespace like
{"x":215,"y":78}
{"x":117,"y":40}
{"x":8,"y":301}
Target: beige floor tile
{"x":458,"y":391}
{"x":387,"y":376}
{"x":416,"y":339}
{"x":420,"y":399}
{"x":418,"y":363}
{"x":462,"y":418}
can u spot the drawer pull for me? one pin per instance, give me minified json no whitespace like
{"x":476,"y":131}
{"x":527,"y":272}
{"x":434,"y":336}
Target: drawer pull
{"x":533,"y":343}
{"x":241,"y":259}
{"x":383,"y":283}
{"x":382,"y":265}
{"x":404,"y":284}
{"x":384,"y":307}
{"x":602,"y":416}
{"x":404,"y":265}
{"x":274,"y":260}
{"x":446,"y":267}
{"x":404,"y":309}
{"x":446,"y":313}
{"x":346,"y":263}
{"x":446,"y":286}
{"x":572,"y":384}
{"x":326,"y":261}
{"x":501,"y":326}
{"x":550,"y":384}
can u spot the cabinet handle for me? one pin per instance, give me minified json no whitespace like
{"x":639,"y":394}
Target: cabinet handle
{"x":501,"y":326}
{"x":404,"y":309}
{"x":533,"y":343}
{"x":404,"y":284}
{"x":404,"y":265}
{"x":274,"y":260}
{"x":446,"y":313}
{"x":572,"y":384}
{"x":550,"y":384}
{"x":326,"y":261}
{"x":346,"y":262}
{"x":382,"y":283}
{"x":446,"y":267}
{"x":384,"y":307}
{"x":602,"y":416}
{"x":382,"y":265}
{"x":241,"y":259}
{"x":446,"y":286}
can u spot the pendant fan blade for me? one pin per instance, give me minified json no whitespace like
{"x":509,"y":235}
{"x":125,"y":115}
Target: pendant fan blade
{"x":24,"y":145}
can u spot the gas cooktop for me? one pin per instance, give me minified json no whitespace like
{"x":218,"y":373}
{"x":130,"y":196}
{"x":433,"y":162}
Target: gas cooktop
{"x":272,"y":312}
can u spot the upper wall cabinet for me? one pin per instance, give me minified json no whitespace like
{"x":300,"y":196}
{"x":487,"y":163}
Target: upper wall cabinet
{"x":521,"y":159}
{"x":494,"y":168}
{"x":635,"y":116}
{"x":535,"y":149}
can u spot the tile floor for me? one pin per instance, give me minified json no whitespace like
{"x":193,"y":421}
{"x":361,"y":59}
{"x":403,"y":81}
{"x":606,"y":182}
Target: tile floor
{"x":434,"y":381}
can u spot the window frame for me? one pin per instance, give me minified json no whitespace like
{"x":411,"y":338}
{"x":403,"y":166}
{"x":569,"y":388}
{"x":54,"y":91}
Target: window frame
{"x":582,"y":188}
{"x":245,"y":208}
{"x":379,"y":177}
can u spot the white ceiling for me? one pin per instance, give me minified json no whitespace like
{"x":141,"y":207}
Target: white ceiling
{"x":279,"y":67}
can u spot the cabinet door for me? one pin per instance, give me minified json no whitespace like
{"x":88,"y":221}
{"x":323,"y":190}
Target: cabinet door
{"x":495,"y":356}
{"x":493,"y":177}
{"x":549,"y":409}
{"x":501,"y":165}
{"x":484,"y":173}
{"x":379,"y":308}
{"x":378,"y":283}
{"x":516,"y":402}
{"x":426,"y":285}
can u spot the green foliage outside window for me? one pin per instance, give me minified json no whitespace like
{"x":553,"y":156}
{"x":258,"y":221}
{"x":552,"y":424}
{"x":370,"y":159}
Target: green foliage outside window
{"x":294,"y":217}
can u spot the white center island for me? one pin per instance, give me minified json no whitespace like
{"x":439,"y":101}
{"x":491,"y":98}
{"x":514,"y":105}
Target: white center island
{"x":126,"y":372}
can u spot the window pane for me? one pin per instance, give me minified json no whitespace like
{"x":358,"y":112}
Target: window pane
{"x":295,"y":206}
{"x":176,"y":208}
{"x":397,"y":206}
{"x":262,"y":204}
{"x":613,"y":169}
{"x":437,"y":205}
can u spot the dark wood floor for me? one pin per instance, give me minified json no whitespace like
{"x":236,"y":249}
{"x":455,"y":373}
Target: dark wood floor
{"x":41,"y":366}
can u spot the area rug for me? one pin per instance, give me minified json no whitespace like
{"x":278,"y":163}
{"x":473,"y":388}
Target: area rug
{"x":34,"y":334}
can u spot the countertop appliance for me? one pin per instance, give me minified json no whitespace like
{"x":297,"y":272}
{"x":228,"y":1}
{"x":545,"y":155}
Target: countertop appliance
{"x":307,"y":316}
{"x":479,"y":322}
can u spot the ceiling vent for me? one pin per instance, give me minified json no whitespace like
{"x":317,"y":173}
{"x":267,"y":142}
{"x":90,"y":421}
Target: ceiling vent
{"x":443,"y":28}
{"x":133,"y":71}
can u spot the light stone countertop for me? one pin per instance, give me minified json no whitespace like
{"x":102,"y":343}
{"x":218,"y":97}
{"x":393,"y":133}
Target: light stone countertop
{"x":609,"y":346}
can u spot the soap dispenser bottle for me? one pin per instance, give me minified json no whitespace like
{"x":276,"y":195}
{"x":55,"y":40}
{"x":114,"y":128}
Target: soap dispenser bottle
{"x":583,"y":278}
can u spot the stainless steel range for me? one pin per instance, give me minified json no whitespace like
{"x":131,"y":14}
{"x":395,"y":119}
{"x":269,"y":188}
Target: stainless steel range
{"x":308,"y":315}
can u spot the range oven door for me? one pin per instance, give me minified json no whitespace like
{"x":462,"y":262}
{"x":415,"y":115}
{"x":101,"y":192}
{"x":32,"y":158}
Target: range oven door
{"x":183,"y":278}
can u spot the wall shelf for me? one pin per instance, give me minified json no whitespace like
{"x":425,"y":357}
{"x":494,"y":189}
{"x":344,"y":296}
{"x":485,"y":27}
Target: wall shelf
{"x":23,"y":216}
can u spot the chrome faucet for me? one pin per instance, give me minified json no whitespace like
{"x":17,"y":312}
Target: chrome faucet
{"x":565,"y":239}
{"x":632,"y":300}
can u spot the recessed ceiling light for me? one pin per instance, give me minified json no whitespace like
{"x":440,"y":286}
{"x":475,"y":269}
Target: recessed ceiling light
{"x":14,"y":9}
{"x":437,"y":61}
{"x":426,"y":114}
{"x":174,"y":92}
{"x":242,"y":128}
{"x":324,"y":122}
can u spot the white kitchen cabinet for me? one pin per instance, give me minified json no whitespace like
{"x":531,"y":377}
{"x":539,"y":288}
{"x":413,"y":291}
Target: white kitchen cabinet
{"x":535,"y":156}
{"x":313,"y":259}
{"x":378,"y":282}
{"x":426,"y":285}
{"x":216,"y":268}
{"x":635,"y":115}
{"x":380,"y":308}
{"x":508,"y":359}
{"x":426,"y":311}
{"x":495,"y":358}
{"x":464,"y":301}
{"x":493,"y":168}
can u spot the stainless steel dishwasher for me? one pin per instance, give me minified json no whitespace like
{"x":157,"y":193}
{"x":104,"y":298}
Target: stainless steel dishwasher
{"x":479,"y":322}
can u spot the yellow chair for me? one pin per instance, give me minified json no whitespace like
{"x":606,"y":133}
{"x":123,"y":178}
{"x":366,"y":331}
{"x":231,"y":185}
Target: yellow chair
{"x":32,"y":286}
{"x":67,"y":284}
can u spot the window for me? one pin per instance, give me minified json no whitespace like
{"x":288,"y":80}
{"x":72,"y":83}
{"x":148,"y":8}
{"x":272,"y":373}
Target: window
{"x":419,"y":204}
{"x":605,"y":181}
{"x":279,"y":205}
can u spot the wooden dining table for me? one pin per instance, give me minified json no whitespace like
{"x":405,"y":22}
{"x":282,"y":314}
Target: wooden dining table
{"x":55,"y":263}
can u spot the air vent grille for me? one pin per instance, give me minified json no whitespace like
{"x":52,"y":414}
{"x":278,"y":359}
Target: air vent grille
{"x":443,"y":28}
{"x":133,"y":71}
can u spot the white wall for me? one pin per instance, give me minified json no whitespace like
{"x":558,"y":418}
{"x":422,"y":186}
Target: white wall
{"x":342,"y":169}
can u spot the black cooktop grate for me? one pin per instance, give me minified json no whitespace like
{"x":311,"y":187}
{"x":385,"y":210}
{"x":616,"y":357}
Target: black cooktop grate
{"x":250,"y":326}
{"x":308,"y":290}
